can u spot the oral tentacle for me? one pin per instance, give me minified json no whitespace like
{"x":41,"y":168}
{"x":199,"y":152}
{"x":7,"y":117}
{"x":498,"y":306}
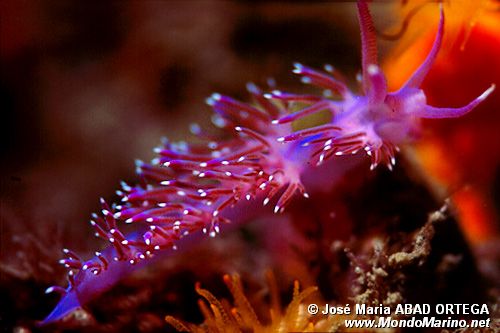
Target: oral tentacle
{"x":439,"y":113}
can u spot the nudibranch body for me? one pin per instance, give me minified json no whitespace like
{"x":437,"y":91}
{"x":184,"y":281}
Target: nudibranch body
{"x":191,"y":190}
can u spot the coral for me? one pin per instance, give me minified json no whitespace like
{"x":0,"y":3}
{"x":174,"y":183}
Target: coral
{"x":190,"y":190}
{"x":241,"y":317}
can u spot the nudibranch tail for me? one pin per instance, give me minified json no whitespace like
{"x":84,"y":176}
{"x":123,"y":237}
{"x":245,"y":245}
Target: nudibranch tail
{"x":192,"y":190}
{"x":68,"y":303}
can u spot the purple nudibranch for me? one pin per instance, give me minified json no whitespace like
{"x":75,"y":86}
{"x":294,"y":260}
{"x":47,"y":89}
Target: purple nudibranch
{"x":191,"y":190}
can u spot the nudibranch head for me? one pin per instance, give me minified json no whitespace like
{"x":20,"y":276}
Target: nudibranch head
{"x":376,"y":121}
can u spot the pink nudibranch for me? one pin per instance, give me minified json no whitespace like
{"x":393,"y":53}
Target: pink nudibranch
{"x":192,"y":189}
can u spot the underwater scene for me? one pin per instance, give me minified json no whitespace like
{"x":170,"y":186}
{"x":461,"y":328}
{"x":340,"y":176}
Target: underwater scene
{"x":250,"y":166}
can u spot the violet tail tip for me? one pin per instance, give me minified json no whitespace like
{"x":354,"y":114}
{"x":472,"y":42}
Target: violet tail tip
{"x":68,"y":304}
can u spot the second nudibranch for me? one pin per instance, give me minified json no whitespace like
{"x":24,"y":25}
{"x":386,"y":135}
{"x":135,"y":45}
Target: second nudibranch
{"x":192,"y":189}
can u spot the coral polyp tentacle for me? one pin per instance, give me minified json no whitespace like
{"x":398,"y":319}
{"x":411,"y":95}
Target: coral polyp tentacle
{"x":190,"y":190}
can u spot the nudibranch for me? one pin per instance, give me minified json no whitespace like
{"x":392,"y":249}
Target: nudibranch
{"x":193,"y":190}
